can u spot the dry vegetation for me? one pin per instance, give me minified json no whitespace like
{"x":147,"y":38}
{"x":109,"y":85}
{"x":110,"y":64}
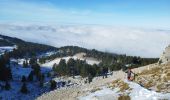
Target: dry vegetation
{"x":156,"y":78}
{"x":124,"y":97}
{"x":120,"y":84}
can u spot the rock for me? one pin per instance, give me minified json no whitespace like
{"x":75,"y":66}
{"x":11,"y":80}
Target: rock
{"x":165,"y":57}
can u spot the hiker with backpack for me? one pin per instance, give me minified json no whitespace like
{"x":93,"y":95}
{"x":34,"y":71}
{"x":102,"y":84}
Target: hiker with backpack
{"x":129,"y":75}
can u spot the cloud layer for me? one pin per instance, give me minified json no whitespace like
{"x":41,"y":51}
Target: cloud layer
{"x":125,"y":40}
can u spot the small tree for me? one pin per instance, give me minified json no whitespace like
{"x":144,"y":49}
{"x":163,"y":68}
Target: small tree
{"x":90,"y":78}
{"x":42,"y":80}
{"x":41,"y":83}
{"x":48,"y":74}
{"x":23,"y":79}
{"x":31,"y":76}
{"x":7,"y":86}
{"x":24,"y":64}
{"x":53,"y":85}
{"x":8,"y":73}
{"x":36,"y":70}
{"x":24,"y":88}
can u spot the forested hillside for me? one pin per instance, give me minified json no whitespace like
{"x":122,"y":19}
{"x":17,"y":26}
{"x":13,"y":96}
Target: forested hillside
{"x":24,"y":49}
{"x":109,"y":62}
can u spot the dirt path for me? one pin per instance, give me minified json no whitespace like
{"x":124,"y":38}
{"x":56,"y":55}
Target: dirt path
{"x":74,"y":92}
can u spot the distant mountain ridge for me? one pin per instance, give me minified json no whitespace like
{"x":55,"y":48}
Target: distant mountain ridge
{"x":24,"y":48}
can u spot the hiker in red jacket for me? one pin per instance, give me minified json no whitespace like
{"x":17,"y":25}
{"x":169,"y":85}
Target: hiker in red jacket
{"x":129,"y":73}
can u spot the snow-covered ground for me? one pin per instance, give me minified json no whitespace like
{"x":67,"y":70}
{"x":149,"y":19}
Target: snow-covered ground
{"x":90,"y":61}
{"x":33,"y":87}
{"x":103,"y":94}
{"x":102,"y":91}
{"x":7,"y":47}
{"x":136,"y":93}
{"x":140,"y":93}
{"x":49,"y":53}
{"x":18,"y":72}
{"x":15,"y":94}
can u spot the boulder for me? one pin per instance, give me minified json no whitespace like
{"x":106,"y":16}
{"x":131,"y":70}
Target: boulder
{"x":165,"y":57}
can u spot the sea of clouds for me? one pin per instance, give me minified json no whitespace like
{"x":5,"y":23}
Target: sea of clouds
{"x":143,"y":42}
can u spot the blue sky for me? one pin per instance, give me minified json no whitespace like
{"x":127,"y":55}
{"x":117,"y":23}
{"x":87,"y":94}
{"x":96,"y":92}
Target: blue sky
{"x":140,"y":13}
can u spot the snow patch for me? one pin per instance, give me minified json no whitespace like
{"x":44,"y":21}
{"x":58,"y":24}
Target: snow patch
{"x":140,"y":93}
{"x":7,"y":49}
{"x":57,"y":60}
{"x":104,"y":94}
{"x":137,"y":93}
{"x":18,"y":72}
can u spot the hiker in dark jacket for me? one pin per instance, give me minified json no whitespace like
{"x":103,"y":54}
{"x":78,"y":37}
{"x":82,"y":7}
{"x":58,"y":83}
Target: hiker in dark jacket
{"x":129,"y":73}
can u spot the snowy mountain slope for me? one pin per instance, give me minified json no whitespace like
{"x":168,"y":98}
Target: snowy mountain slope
{"x":103,"y":89}
{"x":111,"y":89}
{"x":14,"y":93}
{"x":151,"y":83}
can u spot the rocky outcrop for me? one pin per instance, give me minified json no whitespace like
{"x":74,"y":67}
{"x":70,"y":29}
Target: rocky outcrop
{"x":165,"y":57}
{"x":156,"y":77}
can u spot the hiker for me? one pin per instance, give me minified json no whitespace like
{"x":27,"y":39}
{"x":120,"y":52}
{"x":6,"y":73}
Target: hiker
{"x":129,"y":73}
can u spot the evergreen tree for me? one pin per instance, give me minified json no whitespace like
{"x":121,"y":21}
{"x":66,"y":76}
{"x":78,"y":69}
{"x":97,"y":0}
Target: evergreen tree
{"x":7,"y":86}
{"x":9,"y":73}
{"x":53,"y":85}
{"x":5,"y":71}
{"x":24,"y":64}
{"x":33,"y":61}
{"x":41,"y":83}
{"x":23,"y":79}
{"x":92,"y":70}
{"x":90,"y":78}
{"x":71,"y":65}
{"x":41,"y":80}
{"x":63,"y":66}
{"x":54,"y":67}
{"x":31,"y":76}
{"x":36,"y":70}
{"x":24,"y":88}
{"x":48,"y":74}
{"x":83,"y":71}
